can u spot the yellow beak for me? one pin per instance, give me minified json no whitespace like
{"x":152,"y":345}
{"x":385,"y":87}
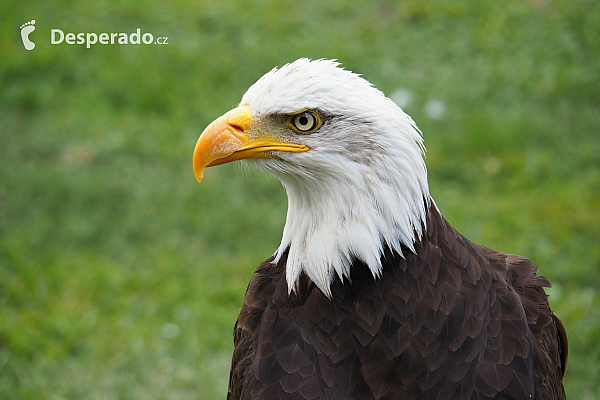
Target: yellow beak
{"x":231,"y":137}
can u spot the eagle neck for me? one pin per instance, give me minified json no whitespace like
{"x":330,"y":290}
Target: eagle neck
{"x":328,"y":228}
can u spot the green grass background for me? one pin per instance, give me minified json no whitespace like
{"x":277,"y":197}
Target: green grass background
{"x":121,"y":277}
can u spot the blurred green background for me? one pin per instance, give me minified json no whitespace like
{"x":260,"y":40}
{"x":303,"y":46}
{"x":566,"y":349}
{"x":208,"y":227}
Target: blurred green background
{"x":121,"y":277}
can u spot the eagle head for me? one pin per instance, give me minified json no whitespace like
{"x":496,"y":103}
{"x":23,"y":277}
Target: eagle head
{"x":350,"y":159}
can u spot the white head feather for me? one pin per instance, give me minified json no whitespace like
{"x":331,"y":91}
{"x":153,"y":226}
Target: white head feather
{"x":363,"y":183}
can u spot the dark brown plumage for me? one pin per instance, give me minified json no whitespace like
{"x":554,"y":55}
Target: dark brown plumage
{"x":454,"y":320}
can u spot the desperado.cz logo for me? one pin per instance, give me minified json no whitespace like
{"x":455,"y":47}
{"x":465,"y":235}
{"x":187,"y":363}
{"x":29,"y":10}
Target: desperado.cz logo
{"x":57,"y":36}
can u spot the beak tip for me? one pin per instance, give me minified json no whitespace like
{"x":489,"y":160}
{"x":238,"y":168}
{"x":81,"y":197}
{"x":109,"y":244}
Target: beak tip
{"x":198,"y":169}
{"x":198,"y":173}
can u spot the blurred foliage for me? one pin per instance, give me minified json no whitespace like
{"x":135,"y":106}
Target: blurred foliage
{"x":120,"y":277}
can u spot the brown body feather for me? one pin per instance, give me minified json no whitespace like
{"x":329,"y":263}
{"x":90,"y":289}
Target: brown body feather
{"x":454,"y":320}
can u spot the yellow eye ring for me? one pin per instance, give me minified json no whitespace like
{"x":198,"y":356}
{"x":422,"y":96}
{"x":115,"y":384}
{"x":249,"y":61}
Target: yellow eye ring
{"x":305,"y":121}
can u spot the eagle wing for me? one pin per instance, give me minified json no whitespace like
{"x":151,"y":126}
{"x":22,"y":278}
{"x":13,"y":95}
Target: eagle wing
{"x":258,"y":295}
{"x":550,"y":337}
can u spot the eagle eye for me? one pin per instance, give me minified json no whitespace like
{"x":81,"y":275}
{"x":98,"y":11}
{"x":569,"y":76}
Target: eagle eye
{"x":305,"y":121}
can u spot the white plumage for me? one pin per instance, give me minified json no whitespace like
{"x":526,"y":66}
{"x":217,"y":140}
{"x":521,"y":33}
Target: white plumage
{"x":362,"y":185}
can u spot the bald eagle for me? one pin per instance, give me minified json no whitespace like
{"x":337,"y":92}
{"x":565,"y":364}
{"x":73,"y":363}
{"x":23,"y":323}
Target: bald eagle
{"x":372,"y":294}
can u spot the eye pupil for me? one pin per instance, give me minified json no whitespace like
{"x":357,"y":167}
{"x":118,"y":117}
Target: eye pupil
{"x":303,"y":121}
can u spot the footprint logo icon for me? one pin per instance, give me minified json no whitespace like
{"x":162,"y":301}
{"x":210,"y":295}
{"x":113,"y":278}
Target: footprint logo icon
{"x":26,"y":29}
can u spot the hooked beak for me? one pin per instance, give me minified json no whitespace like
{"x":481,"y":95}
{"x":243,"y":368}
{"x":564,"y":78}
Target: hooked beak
{"x":231,"y":137}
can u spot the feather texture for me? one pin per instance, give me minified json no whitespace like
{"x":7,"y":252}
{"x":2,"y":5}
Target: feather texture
{"x":454,"y":320}
{"x":362,"y":185}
